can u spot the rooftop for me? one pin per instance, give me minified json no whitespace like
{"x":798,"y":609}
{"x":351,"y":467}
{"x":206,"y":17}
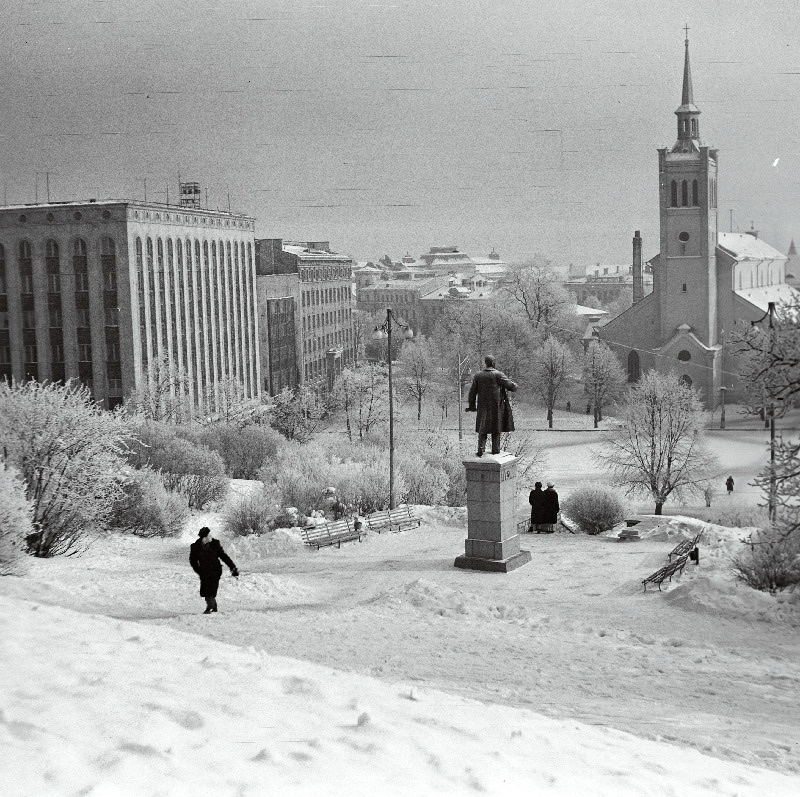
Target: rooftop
{"x":743,"y":246}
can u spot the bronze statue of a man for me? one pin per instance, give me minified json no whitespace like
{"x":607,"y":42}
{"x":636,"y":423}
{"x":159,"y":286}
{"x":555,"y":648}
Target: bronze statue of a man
{"x":494,"y":416}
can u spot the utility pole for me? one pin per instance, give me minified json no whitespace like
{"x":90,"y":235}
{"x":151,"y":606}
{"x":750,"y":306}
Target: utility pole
{"x":772,"y":479}
{"x":461,"y":363}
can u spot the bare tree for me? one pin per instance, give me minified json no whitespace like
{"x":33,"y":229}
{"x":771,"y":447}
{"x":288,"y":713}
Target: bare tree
{"x":552,"y":366}
{"x":660,"y":448}
{"x":363,"y":394}
{"x":603,"y":377}
{"x":297,"y":413}
{"x":163,"y":394}
{"x":417,"y":371}
{"x":536,"y":288}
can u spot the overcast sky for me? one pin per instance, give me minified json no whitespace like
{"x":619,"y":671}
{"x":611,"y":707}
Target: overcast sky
{"x":388,"y":126}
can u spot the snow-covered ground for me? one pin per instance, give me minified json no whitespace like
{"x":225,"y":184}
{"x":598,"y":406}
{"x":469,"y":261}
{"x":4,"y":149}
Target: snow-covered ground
{"x":380,"y":668}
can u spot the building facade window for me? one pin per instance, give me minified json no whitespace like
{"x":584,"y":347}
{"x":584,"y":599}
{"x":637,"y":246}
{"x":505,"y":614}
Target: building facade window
{"x":634,"y":367}
{"x":684,"y":194}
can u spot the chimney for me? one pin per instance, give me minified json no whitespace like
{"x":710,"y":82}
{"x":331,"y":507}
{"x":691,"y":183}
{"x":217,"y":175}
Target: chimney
{"x":638,"y":289}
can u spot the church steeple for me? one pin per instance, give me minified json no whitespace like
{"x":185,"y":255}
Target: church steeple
{"x":688,"y":113}
{"x":792,"y":249}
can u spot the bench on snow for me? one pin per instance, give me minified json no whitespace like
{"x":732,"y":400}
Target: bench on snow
{"x":397,"y":519}
{"x":668,"y":571}
{"x":687,"y":547}
{"x":331,"y":533}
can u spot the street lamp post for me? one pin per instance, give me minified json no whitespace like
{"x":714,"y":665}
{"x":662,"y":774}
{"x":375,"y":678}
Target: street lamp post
{"x":461,"y":363}
{"x":722,"y":410}
{"x":385,"y":331}
{"x":769,"y":420}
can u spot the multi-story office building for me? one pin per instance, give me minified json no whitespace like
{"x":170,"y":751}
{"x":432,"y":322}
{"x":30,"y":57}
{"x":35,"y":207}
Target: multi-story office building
{"x":403,"y":296}
{"x":111,"y":292}
{"x":319,"y":284}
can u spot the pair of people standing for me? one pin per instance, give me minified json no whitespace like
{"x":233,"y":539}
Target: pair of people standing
{"x":544,"y":508}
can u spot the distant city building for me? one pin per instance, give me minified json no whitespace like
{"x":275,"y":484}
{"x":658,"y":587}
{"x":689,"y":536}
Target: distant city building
{"x":606,"y":283}
{"x":318,"y":283}
{"x":792,"y":266}
{"x":403,"y":296}
{"x":434,"y":303}
{"x":109,"y":292}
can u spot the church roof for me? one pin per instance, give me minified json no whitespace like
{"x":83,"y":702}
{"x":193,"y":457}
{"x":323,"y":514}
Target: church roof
{"x":761,"y":297}
{"x":741,"y":246}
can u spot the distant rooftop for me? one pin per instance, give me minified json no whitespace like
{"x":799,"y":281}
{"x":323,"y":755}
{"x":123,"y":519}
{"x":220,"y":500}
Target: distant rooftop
{"x":743,"y":246}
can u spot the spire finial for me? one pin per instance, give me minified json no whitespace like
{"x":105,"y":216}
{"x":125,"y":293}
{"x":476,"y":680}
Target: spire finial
{"x":686,"y":29}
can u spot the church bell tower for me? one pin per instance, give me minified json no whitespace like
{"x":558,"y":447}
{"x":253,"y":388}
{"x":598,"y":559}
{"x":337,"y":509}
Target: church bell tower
{"x":685,"y":278}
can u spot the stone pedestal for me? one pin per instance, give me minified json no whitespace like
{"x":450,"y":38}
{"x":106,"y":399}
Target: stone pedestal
{"x":492,"y":541}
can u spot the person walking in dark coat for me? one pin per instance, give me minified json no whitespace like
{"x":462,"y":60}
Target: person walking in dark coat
{"x":494,"y":416}
{"x":204,"y":557}
{"x":538,"y":502}
{"x":551,"y":508}
{"x":729,"y":484}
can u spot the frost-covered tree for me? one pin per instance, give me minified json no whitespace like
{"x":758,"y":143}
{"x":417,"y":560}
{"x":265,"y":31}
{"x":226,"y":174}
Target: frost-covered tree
{"x":603,"y":377}
{"x":163,"y":395}
{"x":15,"y":521}
{"x":298,"y":413}
{"x":660,"y":448}
{"x":537,"y":289}
{"x":68,"y":453}
{"x":552,"y":367}
{"x":363,"y":395}
{"x":417,"y":370}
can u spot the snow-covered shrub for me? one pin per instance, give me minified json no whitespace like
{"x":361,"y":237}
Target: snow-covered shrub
{"x":742,"y":516}
{"x":244,"y":449}
{"x":440,"y":456}
{"x":594,"y":508}
{"x":194,"y":470}
{"x":15,"y":522}
{"x":424,"y":483}
{"x":253,"y":513}
{"x":147,"y":509}
{"x":67,"y":450}
{"x":770,"y":560}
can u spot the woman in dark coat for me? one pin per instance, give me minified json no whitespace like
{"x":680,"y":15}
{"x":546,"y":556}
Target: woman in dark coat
{"x":551,"y":507}
{"x":538,"y":501}
{"x":204,"y":557}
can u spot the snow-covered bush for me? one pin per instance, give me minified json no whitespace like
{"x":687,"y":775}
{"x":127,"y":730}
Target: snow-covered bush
{"x":741,"y":516}
{"x":253,"y":513}
{"x":244,"y":449}
{"x":441,"y":458}
{"x":147,"y":509}
{"x":194,"y":470}
{"x":594,"y":508}
{"x":68,"y":453}
{"x":15,"y":522}
{"x":770,"y":560}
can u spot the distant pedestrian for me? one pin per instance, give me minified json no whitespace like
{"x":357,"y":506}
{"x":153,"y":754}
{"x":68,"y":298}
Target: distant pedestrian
{"x":588,"y":409}
{"x":569,"y":406}
{"x":552,"y":508}
{"x":729,"y":484}
{"x":205,"y":554}
{"x":538,"y":503}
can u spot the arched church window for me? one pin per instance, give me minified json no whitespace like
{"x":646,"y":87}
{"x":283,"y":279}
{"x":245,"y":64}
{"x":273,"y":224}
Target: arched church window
{"x":684,"y":193}
{"x":634,"y":367}
{"x":684,"y":284}
{"x":686,"y":380}
{"x":694,"y":127}
{"x":684,"y":355}
{"x":674,"y":194}
{"x":695,"y":194}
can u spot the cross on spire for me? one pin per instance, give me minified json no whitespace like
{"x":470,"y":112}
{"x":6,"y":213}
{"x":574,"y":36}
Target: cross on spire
{"x":686,"y":29}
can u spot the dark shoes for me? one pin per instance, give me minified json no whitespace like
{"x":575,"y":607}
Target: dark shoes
{"x":496,"y":452}
{"x":479,"y":454}
{"x":208,"y":611}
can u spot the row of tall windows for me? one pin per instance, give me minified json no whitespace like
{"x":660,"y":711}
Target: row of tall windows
{"x":325,"y":273}
{"x":317,"y":296}
{"x":5,"y":340}
{"x":196,"y":314}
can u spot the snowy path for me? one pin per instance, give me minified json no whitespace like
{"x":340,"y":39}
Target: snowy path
{"x":708,"y":664}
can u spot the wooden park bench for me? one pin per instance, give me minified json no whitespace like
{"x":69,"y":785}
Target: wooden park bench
{"x":686,"y":547}
{"x":668,"y":571}
{"x":397,"y":519}
{"x":331,"y":533}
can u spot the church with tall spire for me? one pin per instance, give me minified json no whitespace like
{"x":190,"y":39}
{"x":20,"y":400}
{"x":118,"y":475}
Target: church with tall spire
{"x":704,"y":281}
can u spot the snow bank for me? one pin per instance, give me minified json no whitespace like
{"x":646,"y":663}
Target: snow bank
{"x":97,"y":706}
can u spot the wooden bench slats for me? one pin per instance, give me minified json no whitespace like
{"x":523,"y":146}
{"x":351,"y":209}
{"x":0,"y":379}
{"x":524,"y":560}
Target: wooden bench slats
{"x":398,"y":518}
{"x":685,"y":546}
{"x":668,"y":571}
{"x":331,"y":533}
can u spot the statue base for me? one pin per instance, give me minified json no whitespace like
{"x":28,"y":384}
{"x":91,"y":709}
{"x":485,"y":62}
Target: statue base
{"x":492,"y":543}
{"x":493,"y":565}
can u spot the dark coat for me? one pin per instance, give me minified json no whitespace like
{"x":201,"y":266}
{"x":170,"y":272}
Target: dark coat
{"x":494,"y":411}
{"x":205,"y":561}
{"x":538,"y":502}
{"x":551,"y":507}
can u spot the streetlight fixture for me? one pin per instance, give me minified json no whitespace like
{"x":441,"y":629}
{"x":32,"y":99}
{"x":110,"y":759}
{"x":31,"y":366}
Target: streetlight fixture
{"x":462,"y":374}
{"x":384,"y":330}
{"x":722,"y":410}
{"x":769,"y":419}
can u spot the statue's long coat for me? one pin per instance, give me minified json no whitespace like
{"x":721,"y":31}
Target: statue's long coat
{"x":494,"y":411}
